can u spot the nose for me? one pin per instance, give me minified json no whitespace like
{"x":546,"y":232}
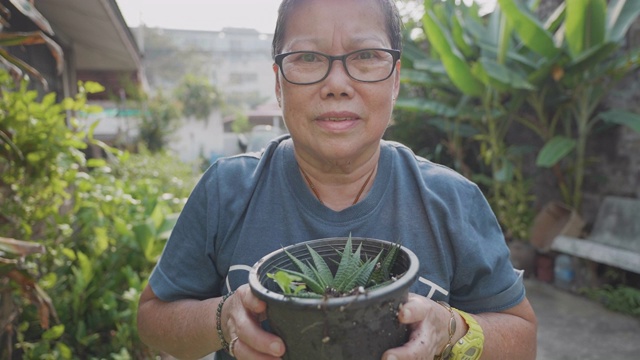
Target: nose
{"x":338,"y":82}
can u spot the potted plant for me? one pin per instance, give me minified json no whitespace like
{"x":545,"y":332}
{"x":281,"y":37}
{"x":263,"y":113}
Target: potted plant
{"x":348,"y":324}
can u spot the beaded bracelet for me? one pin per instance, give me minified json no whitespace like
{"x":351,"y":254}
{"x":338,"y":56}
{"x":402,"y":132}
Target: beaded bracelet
{"x":446,"y":352}
{"x":225,"y":344}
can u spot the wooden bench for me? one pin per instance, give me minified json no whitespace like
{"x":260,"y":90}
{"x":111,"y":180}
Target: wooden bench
{"x":615,"y":238}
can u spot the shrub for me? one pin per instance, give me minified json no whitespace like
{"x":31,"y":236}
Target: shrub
{"x":103,"y":225}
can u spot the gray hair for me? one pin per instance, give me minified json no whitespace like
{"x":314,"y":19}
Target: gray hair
{"x":388,"y":7}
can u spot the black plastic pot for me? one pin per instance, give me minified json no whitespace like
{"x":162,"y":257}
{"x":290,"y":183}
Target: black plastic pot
{"x":361,"y":326}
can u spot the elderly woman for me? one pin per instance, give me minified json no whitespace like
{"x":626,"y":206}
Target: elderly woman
{"x":337,"y":74}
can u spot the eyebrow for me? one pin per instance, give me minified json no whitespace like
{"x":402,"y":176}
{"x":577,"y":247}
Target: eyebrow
{"x":353,"y":42}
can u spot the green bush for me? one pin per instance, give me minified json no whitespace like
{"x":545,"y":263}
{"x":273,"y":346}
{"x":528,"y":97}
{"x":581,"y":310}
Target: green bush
{"x":621,"y":298}
{"x":103,"y":224}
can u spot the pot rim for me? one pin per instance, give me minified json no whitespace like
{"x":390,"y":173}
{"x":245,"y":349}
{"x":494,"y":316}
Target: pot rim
{"x":369,"y":296}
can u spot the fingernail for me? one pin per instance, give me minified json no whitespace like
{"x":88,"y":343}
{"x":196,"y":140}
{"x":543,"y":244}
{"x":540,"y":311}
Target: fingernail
{"x":276,"y":348}
{"x":392,"y":357}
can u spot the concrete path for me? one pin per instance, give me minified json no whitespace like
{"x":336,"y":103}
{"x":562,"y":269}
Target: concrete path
{"x":572,"y":327}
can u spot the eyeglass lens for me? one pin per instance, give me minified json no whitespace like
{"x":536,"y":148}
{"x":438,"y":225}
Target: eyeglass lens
{"x":367,"y":65}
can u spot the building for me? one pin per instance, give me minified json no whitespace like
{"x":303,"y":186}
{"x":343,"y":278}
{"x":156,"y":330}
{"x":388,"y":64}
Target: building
{"x":236,"y":61}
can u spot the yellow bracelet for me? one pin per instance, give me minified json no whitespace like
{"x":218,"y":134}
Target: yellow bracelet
{"x":470,"y":346}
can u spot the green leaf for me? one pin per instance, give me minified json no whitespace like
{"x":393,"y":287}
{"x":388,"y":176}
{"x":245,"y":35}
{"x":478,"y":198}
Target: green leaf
{"x":505,"y":30}
{"x":505,"y":172}
{"x":92,"y":87}
{"x":555,"y":20}
{"x":622,"y":117}
{"x":382,"y":272}
{"x":95,"y":162}
{"x":448,"y":126}
{"x":589,"y":59}
{"x":310,"y":281}
{"x":54,"y":332}
{"x":427,"y":106}
{"x":456,"y":66}
{"x":620,"y":16}
{"x":361,"y":276}
{"x":69,"y":254}
{"x":349,"y":263}
{"x":458,"y":36}
{"x":157,"y":215}
{"x":412,"y":76}
{"x":584,"y":25}
{"x":101,"y":241}
{"x":529,"y":29}
{"x":304,"y":268}
{"x":284,"y":281}
{"x":145,"y":239}
{"x":64,"y":350}
{"x":85,"y":267}
{"x":554,"y":151}
{"x":322,"y":271}
{"x":500,"y":76}
{"x":92,"y":129}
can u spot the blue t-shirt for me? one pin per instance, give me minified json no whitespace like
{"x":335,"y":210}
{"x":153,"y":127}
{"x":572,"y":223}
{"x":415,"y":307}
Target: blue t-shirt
{"x":249,"y":205}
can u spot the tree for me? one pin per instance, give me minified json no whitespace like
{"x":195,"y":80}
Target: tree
{"x":198,"y":97}
{"x":159,"y":120}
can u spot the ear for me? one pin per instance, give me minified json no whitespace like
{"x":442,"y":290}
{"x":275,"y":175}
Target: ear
{"x":396,"y":80}
{"x":276,"y":73}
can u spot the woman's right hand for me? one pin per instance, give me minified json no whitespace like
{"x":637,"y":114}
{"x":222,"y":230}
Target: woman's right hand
{"x":242,"y":314}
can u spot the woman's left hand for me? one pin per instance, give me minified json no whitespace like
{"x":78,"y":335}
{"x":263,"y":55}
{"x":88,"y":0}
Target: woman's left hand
{"x":429,"y":325}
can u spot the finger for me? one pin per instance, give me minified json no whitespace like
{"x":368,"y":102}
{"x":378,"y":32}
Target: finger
{"x":245,"y":324}
{"x":250,"y":334}
{"x":242,"y":350}
{"x":416,"y":309}
{"x":250,"y":301}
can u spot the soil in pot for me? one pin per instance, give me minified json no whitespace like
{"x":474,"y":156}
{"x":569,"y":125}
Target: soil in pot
{"x":360,"y":326}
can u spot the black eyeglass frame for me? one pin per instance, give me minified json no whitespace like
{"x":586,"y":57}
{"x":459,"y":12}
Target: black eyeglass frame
{"x":395,"y":54}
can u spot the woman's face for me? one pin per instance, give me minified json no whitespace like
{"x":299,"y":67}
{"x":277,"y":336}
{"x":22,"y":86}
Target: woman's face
{"x":338,"y":120}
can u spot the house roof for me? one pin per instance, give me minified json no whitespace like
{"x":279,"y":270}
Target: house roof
{"x":96,"y":31}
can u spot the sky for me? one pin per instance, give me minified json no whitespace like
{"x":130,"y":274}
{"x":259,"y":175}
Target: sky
{"x":209,"y":15}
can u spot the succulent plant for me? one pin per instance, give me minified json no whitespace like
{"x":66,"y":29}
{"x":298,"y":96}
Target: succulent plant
{"x":354,"y":274}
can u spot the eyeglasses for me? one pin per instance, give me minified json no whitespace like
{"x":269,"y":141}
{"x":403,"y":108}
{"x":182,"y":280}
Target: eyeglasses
{"x":310,"y":67}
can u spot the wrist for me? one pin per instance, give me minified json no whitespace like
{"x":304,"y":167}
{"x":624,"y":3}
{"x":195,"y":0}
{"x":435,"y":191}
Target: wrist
{"x":221,"y":335}
{"x":469,"y":346}
{"x":451,"y":331}
{"x":464,"y":338}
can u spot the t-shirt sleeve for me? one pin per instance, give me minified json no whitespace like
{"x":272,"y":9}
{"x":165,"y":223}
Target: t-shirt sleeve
{"x":185,"y":268}
{"x":484,"y":280}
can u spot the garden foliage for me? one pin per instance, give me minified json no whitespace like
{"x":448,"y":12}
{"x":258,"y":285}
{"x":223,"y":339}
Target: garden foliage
{"x":102,"y":223}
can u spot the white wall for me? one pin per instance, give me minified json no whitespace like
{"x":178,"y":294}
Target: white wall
{"x":196,"y":138}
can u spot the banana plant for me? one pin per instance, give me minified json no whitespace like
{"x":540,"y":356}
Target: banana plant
{"x":580,"y":55}
{"x":550,"y":76}
{"x":475,"y":79}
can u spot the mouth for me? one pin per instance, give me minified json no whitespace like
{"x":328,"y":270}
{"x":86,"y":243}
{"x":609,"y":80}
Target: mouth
{"x":337,"y":116}
{"x":338,"y":121}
